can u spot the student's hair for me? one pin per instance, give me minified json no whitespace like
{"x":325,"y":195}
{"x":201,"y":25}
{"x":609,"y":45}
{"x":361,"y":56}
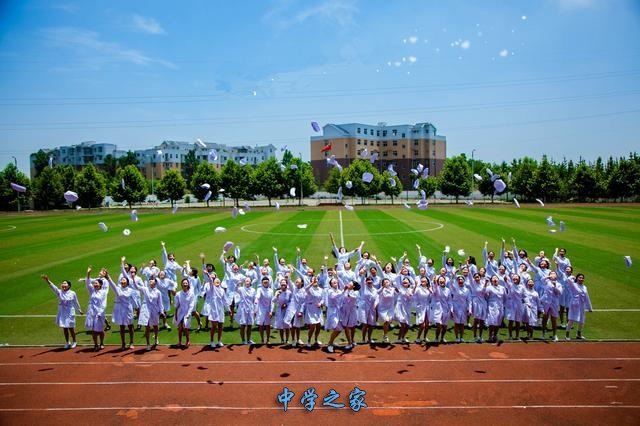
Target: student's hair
{"x":68,"y":282}
{"x":185,"y":280}
{"x":523,"y":251}
{"x":472,"y":260}
{"x":579,"y":275}
{"x":356,"y":285}
{"x":562,"y":249}
{"x":154,"y":262}
{"x":194,"y":271}
{"x":210,"y":265}
{"x":393,"y":267}
{"x":265,"y":279}
{"x":453,"y":262}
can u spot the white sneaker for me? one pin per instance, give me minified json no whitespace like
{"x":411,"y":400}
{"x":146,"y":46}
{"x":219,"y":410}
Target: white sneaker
{"x":354,"y":344}
{"x":567,"y":338}
{"x":405,"y":340}
{"x":220,"y":344}
{"x":348,"y":347}
{"x":67,"y":345}
{"x":148,"y":347}
{"x":300,"y":343}
{"x":73,"y":345}
{"x":461,"y":340}
{"x":330,"y":349}
{"x":251,"y":342}
{"x":294,"y":344}
{"x":426,"y":340}
{"x":457,"y":340}
{"x":309,"y":345}
{"x":581,"y":337}
{"x":318,"y":343}
{"x":418,"y":341}
{"x":372,"y":341}
{"x":555,"y":338}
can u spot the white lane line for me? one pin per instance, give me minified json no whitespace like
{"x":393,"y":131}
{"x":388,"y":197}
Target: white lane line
{"x":313,"y":381}
{"x":341,"y":232}
{"x":321,"y":361}
{"x":390,"y":407}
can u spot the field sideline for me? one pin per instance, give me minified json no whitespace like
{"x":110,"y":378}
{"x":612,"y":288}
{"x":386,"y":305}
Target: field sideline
{"x":63,"y":245}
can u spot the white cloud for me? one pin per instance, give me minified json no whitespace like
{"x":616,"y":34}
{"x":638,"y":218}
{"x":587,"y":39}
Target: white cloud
{"x":576,"y":4}
{"x":340,"y":11}
{"x":147,"y":25}
{"x":86,"y":41}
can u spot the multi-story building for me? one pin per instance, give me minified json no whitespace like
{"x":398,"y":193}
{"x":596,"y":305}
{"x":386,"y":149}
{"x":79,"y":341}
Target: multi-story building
{"x":81,"y":154}
{"x":171,"y":155}
{"x":405,"y":146}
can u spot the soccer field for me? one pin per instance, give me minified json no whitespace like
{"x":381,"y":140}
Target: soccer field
{"x":63,"y":245}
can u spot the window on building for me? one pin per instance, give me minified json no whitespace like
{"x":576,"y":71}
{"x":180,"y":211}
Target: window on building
{"x":403,"y":156}
{"x":434,"y":144}
{"x":358,"y":141}
{"x":415,"y":142}
{"x":395,"y":153}
{"x":377,"y":143}
{"x":365,"y":131}
{"x":384,"y":133}
{"x":395,"y":132}
{"x":377,"y":132}
{"x":415,"y":153}
{"x":434,"y":152}
{"x":384,"y":143}
{"x":385,"y":153}
{"x":403,"y":135}
{"x":395,"y":143}
{"x":403,"y":146}
{"x":358,"y":130}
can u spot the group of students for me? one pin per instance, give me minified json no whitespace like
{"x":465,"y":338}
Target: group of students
{"x":511,"y":287}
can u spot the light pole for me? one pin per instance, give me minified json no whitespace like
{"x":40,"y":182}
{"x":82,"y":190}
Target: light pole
{"x":472,"y":152}
{"x":15,"y":162}
{"x":300,"y":176}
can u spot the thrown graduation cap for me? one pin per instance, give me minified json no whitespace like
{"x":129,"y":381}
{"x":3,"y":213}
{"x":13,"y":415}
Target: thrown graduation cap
{"x":103,"y":226}
{"x":315,"y":126}
{"x":488,"y":170}
{"x":207,"y":196}
{"x":221,"y":190}
{"x":78,"y":207}
{"x":294,"y":167}
{"x":550,"y":221}
{"x":562,"y":226}
{"x":516,"y":203}
{"x":348,"y":207}
{"x":461,"y":252}
{"x":364,"y":153}
{"x":425,"y":172}
{"x":447,"y":249}
{"x":18,"y":188}
{"x":340,"y":194}
{"x":391,"y":171}
{"x":392,"y":182}
{"x":134,"y":215}
{"x":415,"y":172}
{"x":302,"y":226}
{"x":236,"y":252}
{"x":205,"y":186}
{"x":175,"y":209}
{"x":159,"y":152}
{"x":552,"y":230}
{"x":373,"y":158}
{"x":220,"y":229}
{"x":407,"y":206}
{"x":234,"y":212}
{"x":420,"y":168}
{"x":242,"y":161}
{"x":122,"y":185}
{"x":212,"y":156}
{"x":509,"y":177}
{"x":283,"y":167}
{"x":478,"y":177}
{"x":126,"y":232}
{"x":423,"y":204}
{"x":71,"y":196}
{"x":292,"y":191}
{"x":277,"y":207}
{"x":540,"y":202}
{"x":367,"y":177}
{"x":227,"y":246}
{"x":499,"y":185}
{"x":200,"y":143}
{"x":423,"y":194}
{"x":416,"y":183}
{"x":50,"y":162}
{"x":349,"y":184}
{"x":627,"y":260}
{"x":247,"y":206}
{"x":241,"y":212}
{"x":468,"y":202}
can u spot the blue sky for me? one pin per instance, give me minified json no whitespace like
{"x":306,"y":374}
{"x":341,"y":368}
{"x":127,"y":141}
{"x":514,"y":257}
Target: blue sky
{"x":506,"y":78}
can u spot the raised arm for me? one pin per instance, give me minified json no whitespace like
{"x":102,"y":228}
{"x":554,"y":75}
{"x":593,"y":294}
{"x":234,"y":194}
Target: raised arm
{"x":485,"y":253}
{"x":87,"y":281}
{"x":165,"y":257}
{"x":52,"y":286}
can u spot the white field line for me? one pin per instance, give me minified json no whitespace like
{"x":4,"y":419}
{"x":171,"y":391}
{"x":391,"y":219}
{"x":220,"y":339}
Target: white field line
{"x":341,"y":231}
{"x":322,"y":361}
{"x":177,"y":408}
{"x":324,"y":382}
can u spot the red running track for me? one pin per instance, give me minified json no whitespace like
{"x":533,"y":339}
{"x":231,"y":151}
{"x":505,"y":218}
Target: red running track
{"x":562,"y":383}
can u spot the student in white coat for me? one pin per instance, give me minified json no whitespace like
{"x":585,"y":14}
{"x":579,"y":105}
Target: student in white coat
{"x":578,"y":305}
{"x":422,"y":299}
{"x":295,"y":312}
{"x":496,"y":296}
{"x":402,"y":310}
{"x":386,"y":298}
{"x":281,"y":301}
{"x":214,"y":307}
{"x":531,"y":302}
{"x":550,"y":301}
{"x":185,"y":302}
{"x":151,"y":311}
{"x":313,"y":310}
{"x":440,"y":308}
{"x":368,"y":302}
{"x":123,"y":308}
{"x":67,"y":305}
{"x":246,"y":310}
{"x":478,"y":289}
{"x":94,"y":321}
{"x":167,"y":287}
{"x":514,"y":306}
{"x":461,"y":307}
{"x":264,"y":309}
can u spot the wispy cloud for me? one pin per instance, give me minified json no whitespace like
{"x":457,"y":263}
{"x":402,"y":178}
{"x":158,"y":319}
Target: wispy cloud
{"x":65,"y":7}
{"x":283,"y":16}
{"x":87,"y":41}
{"x":576,"y":4}
{"x":147,"y":25}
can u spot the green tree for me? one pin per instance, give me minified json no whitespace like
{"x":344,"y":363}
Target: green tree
{"x":171,"y":186}
{"x":40,"y":162}
{"x":135,"y":186}
{"x":624,"y":179}
{"x":190,"y":165}
{"x":523,"y":182}
{"x":547,"y":181}
{"x":236,"y":181}
{"x":129,"y":159}
{"x":428,"y":185}
{"x":48,"y":191}
{"x":300,"y":178}
{"x":269,"y":179}
{"x":205,"y":173}
{"x":10,"y":199}
{"x":110,"y":166}
{"x":389,"y":189}
{"x":67,"y":175}
{"x":455,"y":177}
{"x":287,"y":157}
{"x":360,"y":188}
{"x":485,"y":186}
{"x":334,"y":181}
{"x":90,"y":186}
{"x":584,"y":182}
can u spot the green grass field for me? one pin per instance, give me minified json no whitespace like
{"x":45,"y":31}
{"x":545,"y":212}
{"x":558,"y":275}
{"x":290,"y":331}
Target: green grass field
{"x":63,"y":245}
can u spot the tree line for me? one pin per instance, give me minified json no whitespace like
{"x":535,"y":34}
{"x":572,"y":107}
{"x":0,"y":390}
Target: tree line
{"x":616,"y":179}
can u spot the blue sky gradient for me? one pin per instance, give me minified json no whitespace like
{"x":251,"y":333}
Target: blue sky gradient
{"x":507,"y":79}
